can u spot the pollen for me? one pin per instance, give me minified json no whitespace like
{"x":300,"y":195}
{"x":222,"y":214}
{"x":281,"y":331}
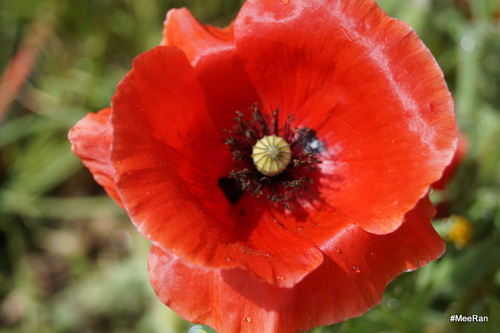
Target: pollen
{"x":271,"y":155}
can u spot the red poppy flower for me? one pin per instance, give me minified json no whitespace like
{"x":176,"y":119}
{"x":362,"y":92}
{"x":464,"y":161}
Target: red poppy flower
{"x":299,"y":210}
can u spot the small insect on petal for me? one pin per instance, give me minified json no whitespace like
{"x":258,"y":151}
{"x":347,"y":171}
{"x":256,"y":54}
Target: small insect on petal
{"x":271,"y":155}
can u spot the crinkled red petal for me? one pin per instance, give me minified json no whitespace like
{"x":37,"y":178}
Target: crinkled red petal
{"x":182,"y":30}
{"x":91,"y":141}
{"x":211,"y":51}
{"x":349,"y":282}
{"x":168,"y":160}
{"x":451,"y":169}
{"x":370,"y":89}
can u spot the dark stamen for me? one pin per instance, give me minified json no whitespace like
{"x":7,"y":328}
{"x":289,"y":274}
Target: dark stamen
{"x":289,"y":183}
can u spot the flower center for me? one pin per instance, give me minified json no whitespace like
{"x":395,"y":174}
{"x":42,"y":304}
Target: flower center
{"x":269,"y":161}
{"x":271,"y":155}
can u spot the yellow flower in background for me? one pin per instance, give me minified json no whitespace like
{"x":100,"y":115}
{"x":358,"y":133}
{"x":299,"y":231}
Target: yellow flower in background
{"x":459,"y":232}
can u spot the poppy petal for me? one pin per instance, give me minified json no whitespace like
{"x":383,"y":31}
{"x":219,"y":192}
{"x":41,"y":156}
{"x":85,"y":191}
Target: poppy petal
{"x":182,"y":30}
{"x":350,"y":280}
{"x":368,"y":87}
{"x":167,"y":178}
{"x":91,"y":141}
{"x":451,"y":169}
{"x":211,"y":51}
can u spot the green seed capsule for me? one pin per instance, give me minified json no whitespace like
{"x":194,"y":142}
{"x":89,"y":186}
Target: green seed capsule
{"x":271,"y":155}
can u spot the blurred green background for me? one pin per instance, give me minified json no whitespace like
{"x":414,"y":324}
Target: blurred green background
{"x":70,"y":261}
